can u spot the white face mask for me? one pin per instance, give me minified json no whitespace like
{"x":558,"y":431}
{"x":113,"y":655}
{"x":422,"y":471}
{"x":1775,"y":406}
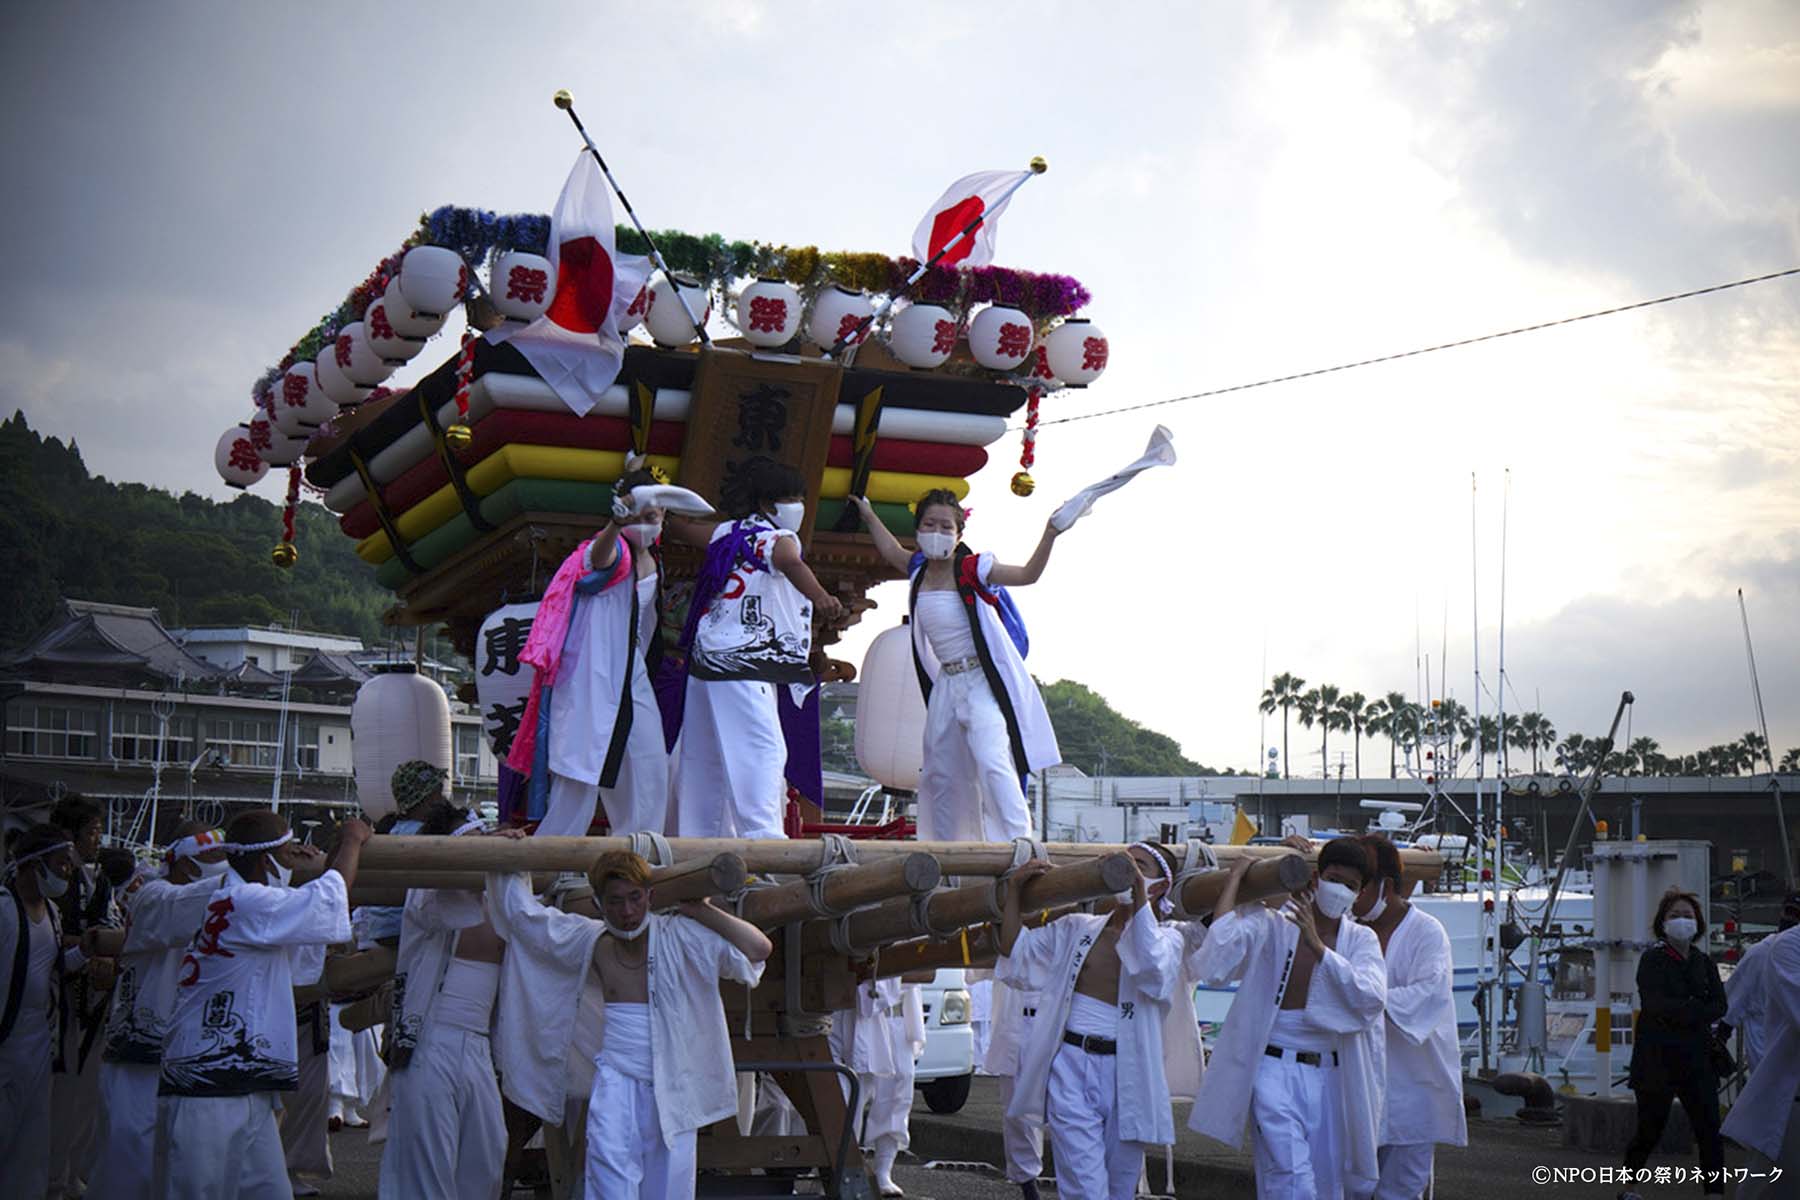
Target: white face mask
{"x":643,"y":535}
{"x":209,"y":869}
{"x":1334,"y":899}
{"x":628,"y":935}
{"x":278,"y":876}
{"x":1377,"y":908}
{"x":1681,"y":929}
{"x":937,"y":545}
{"x":51,"y":885}
{"x":790,"y":514}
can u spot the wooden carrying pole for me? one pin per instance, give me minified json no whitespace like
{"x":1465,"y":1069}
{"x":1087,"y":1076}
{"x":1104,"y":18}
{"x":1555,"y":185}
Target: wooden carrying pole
{"x":841,"y":890}
{"x":689,"y":879}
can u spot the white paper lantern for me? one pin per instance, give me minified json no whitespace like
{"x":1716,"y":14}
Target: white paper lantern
{"x":408,"y":322}
{"x":923,"y":335}
{"x":522,"y":285}
{"x":276,"y":448}
{"x":502,"y":680}
{"x":1000,"y":337}
{"x":1077,"y":351}
{"x":630,"y":316}
{"x":236,"y":458}
{"x":666,"y":320}
{"x":768,"y":312}
{"x":358,"y":358}
{"x":397,"y":716}
{"x":300,"y":404}
{"x":336,"y":384}
{"x":393,"y":346}
{"x":433,"y":280}
{"x":1038,"y":368}
{"x":836,"y":314}
{"x":890,"y":712}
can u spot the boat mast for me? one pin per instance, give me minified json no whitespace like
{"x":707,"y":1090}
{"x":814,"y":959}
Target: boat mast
{"x":1489,"y":943}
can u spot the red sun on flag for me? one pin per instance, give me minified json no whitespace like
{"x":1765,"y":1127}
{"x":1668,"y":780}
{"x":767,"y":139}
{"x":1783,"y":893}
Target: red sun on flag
{"x":584,"y":286}
{"x":950,"y":222}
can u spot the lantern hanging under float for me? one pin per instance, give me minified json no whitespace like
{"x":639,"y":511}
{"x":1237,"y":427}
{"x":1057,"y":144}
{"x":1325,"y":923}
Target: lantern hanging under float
{"x":768,"y":312}
{"x":362,"y":365}
{"x":433,"y":280}
{"x":238,"y":463}
{"x":522,"y":285}
{"x":300,"y":404}
{"x":923,"y":335}
{"x":408,"y":322}
{"x":836,"y":314}
{"x":666,"y":320}
{"x":397,"y":716}
{"x":890,"y":712}
{"x":1076,"y":351}
{"x":1000,"y":337}
{"x":276,"y":448}
{"x":336,"y":384}
{"x":394,"y":347}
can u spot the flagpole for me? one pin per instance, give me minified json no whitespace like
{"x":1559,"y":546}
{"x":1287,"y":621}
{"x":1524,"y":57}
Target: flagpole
{"x":566,"y":102}
{"x":853,"y":338}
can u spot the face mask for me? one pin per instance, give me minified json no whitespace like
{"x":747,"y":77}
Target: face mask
{"x":52,"y":886}
{"x":278,"y":875}
{"x":643,"y":536}
{"x":937,"y":545}
{"x":790,"y":514}
{"x":1377,"y":908}
{"x":1681,"y":929}
{"x":1334,"y":899}
{"x":629,"y":935}
{"x":210,"y":869}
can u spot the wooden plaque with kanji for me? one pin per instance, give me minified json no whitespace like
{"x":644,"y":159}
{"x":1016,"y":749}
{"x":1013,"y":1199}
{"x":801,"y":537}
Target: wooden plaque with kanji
{"x":744,"y":407}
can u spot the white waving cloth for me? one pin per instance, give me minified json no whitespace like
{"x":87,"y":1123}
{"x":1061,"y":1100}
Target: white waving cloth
{"x":1159,"y":453}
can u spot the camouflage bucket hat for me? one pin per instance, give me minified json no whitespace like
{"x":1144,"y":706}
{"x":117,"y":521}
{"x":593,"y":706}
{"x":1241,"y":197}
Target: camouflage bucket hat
{"x":415,"y":782}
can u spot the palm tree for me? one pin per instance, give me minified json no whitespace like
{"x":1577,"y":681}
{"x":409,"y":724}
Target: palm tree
{"x":1756,"y":749}
{"x":1399,"y":724}
{"x":1359,"y":712}
{"x":1535,"y":733}
{"x":1790,"y":762}
{"x":1320,"y":706}
{"x":1283,"y":692}
{"x":1575,"y":752}
{"x":1645,"y":752}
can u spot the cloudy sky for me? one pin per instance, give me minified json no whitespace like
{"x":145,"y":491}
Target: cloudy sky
{"x":1249,"y":189}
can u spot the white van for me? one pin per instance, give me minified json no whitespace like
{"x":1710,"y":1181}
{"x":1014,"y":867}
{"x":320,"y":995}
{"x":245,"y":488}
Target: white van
{"x":944,"y":1071}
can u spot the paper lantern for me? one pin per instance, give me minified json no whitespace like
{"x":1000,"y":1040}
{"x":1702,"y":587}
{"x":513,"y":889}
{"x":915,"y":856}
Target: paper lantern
{"x":923,"y":335}
{"x":335,"y":383}
{"x":630,"y":316}
{"x":890,"y":712}
{"x":408,"y":322}
{"x":433,"y":280}
{"x":666,"y":320}
{"x":1040,"y":372}
{"x":393,"y":346}
{"x":768,"y":312}
{"x":397,"y":716}
{"x":836,"y":314}
{"x":1076,"y":350}
{"x":361,"y":364}
{"x":502,"y":680}
{"x":300,"y":404}
{"x":276,"y":448}
{"x":522,"y":285}
{"x":236,"y":458}
{"x":1000,"y":337}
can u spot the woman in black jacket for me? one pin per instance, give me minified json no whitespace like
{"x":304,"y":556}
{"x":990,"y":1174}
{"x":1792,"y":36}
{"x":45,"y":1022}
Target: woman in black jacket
{"x":1679,"y":999}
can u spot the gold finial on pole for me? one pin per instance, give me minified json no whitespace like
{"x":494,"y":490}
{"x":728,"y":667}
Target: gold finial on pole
{"x":565,"y":100}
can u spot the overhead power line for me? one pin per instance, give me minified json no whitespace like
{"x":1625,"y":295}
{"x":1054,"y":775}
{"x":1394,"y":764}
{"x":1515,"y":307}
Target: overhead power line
{"x":1385,"y":358}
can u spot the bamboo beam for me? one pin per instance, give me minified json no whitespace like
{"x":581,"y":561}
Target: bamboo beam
{"x":689,"y":879}
{"x":1274,"y":876}
{"x":842,"y":890}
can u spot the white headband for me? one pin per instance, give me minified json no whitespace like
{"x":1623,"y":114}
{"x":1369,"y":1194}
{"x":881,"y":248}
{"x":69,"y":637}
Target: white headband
{"x":196,"y":844}
{"x":46,"y":852}
{"x":1163,"y":903}
{"x":255,"y":847}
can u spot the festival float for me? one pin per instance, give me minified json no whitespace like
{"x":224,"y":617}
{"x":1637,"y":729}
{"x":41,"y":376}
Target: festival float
{"x":873,"y":375}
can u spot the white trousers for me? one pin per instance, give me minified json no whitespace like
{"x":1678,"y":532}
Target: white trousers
{"x":639,"y":802}
{"x":890,"y":1101}
{"x":732,"y":781}
{"x":1298,"y":1152}
{"x":24,"y":1115}
{"x":1082,"y":1109}
{"x":128,"y":1138}
{"x":1405,"y":1171}
{"x":219,"y":1148}
{"x":447,"y":1134}
{"x":969,"y":787}
{"x":305,"y":1137}
{"x":75,"y":1109}
{"x":626,"y":1157}
{"x":1788,"y":1165}
{"x":1023,"y":1141}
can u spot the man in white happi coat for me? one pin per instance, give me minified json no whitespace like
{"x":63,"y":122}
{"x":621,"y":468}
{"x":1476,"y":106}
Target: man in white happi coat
{"x":1093,"y":1069}
{"x":1745,"y":990}
{"x":1766,"y":1118}
{"x":1424,"y":1056}
{"x":230,"y":1051}
{"x":1300,"y":1056}
{"x":879,"y":1039}
{"x":665,"y":1066}
{"x":447,"y":1131}
{"x":162,"y":914}
{"x":34,"y":961}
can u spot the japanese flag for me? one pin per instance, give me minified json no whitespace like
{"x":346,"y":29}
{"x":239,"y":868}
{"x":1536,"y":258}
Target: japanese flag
{"x":575,"y":346}
{"x":977,"y":195}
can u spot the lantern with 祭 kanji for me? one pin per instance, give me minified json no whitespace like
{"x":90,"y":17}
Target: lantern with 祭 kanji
{"x":522,"y":285}
{"x":923,"y":335}
{"x":433,"y":280}
{"x":393,"y":346}
{"x":236,"y":458}
{"x":768,"y":312}
{"x":1076,"y":351}
{"x":273,"y":446}
{"x":335,"y":383}
{"x":408,"y":322}
{"x":836,"y":314}
{"x":361,"y":364}
{"x":633,"y":314}
{"x":1000,"y":337}
{"x":300,"y":404}
{"x":667,"y":321}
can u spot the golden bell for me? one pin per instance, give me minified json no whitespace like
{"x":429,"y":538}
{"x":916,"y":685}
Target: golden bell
{"x":1038,"y":165}
{"x":563,"y":99}
{"x":458,"y":437}
{"x":285,"y":555}
{"x":1023,"y":484}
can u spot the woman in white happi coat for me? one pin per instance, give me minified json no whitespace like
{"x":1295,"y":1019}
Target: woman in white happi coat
{"x":748,"y":635}
{"x":986,"y":727}
{"x":1093,"y":1068}
{"x":665,"y":1065}
{"x":1766,"y":1117}
{"x":1423,"y":1054}
{"x":592,"y":728}
{"x":1309,"y":1079}
{"x":162,"y":915}
{"x":879,"y":1039}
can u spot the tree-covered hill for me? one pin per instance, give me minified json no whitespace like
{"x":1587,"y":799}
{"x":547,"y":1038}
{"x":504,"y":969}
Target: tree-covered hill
{"x":64,"y":532}
{"x":1103,"y":741}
